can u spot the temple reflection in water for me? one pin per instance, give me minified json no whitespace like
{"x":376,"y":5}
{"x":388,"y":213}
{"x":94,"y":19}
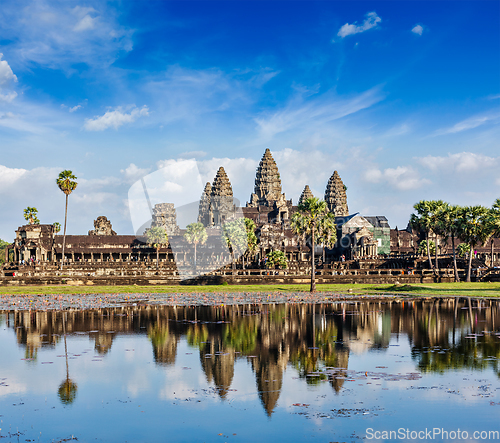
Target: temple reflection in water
{"x":443,"y":334}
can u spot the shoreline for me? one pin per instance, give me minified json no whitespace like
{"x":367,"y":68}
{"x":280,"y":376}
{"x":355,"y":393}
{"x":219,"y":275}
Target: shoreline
{"x":76,"y":297}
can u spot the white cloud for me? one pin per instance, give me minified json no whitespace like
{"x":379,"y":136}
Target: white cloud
{"x":315,"y":111}
{"x":417,"y":29}
{"x":133,"y":173}
{"x":75,"y":108}
{"x":470,"y":123}
{"x":459,"y":162}
{"x":404,"y":178}
{"x":115,"y":119}
{"x":371,"y":21}
{"x":58,"y":36}
{"x":7,"y":80}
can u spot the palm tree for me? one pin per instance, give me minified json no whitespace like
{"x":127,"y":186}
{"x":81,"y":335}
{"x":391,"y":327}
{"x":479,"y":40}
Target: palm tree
{"x":30,"y":215}
{"x":448,"y":226}
{"x":494,"y":225}
{"x":423,"y":222}
{"x":474,"y":229}
{"x":196,"y":234}
{"x":57,"y":227}
{"x":437,"y":207}
{"x":157,"y":237}
{"x":251,"y":239}
{"x":313,"y":220}
{"x":67,"y":184}
{"x":235,"y":234}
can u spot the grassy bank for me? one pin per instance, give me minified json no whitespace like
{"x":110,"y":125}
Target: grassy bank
{"x":438,"y":289}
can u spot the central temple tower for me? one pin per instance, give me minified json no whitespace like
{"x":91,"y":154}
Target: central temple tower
{"x":267,"y":191}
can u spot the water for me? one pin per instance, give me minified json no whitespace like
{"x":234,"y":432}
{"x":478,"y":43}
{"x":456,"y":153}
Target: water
{"x":277,"y":372}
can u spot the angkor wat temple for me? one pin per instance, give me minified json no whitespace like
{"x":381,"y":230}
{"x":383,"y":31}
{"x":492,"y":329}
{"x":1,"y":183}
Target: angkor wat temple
{"x":363,"y":242}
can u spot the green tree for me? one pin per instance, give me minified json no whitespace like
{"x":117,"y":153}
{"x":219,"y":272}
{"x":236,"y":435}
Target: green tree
{"x":30,"y":215}
{"x":3,"y":245}
{"x":463,"y":249}
{"x":196,"y":234}
{"x":448,"y":225}
{"x":67,"y":184}
{"x":276,"y":258}
{"x":423,"y":221}
{"x":437,"y":208}
{"x":57,"y":227}
{"x":474,"y":229}
{"x":422,"y":247}
{"x":251,"y":239}
{"x":312,"y":220}
{"x":494,"y":225}
{"x":235,"y":235}
{"x":157,"y":237}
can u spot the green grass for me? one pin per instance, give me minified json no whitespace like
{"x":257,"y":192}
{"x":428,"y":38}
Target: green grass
{"x":437,"y":289}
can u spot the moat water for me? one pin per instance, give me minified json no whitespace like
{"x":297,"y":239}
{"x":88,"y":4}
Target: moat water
{"x":336,"y":372}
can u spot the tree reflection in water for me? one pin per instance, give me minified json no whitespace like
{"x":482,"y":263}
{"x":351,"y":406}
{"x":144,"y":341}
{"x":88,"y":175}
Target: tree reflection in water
{"x":67,"y":389}
{"x":317,"y":340}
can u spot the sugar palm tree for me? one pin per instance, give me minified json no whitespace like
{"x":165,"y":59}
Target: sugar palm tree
{"x":157,"y":237}
{"x":235,"y":234}
{"x":494,"y":225}
{"x":30,"y":215}
{"x":251,"y":239}
{"x":448,"y":226}
{"x":474,"y":229}
{"x":423,"y":221}
{"x":57,"y":227}
{"x":67,"y":184}
{"x":312,"y":220}
{"x":437,"y":207}
{"x":196,"y":234}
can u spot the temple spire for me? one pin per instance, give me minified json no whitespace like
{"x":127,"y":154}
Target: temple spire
{"x":306,"y":193}
{"x":336,"y":197}
{"x":267,"y":189}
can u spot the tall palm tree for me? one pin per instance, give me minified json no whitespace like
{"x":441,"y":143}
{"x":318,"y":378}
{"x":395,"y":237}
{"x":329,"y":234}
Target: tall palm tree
{"x":30,"y":215}
{"x":67,"y":184}
{"x":235,"y":234}
{"x":474,"y":229}
{"x":437,"y":207}
{"x":313,"y":220}
{"x":448,"y":226}
{"x":494,"y":225}
{"x":422,"y":221}
{"x":196,"y":234}
{"x":157,"y":237}
{"x":251,"y":238}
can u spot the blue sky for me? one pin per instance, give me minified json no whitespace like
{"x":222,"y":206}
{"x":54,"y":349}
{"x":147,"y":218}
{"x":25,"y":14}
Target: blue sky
{"x":402,"y":98}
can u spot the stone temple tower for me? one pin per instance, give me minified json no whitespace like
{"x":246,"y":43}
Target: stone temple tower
{"x":306,"y":193}
{"x":221,"y":198}
{"x":204,"y":212}
{"x":267,"y":189}
{"x":336,"y":197}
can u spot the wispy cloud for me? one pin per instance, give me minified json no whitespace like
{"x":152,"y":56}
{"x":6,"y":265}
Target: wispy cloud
{"x":317,"y":111}
{"x":459,"y":162}
{"x":418,"y":29}
{"x":470,"y":123}
{"x":115,"y":119}
{"x":371,"y":21}
{"x":58,"y":35}
{"x":404,"y":178}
